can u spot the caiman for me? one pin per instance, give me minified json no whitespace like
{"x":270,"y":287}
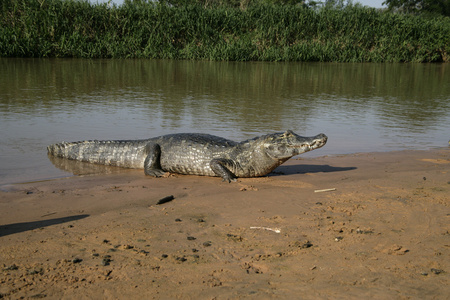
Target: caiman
{"x":193,"y":153}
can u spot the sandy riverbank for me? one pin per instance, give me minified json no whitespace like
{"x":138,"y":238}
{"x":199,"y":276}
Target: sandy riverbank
{"x":382,"y":233}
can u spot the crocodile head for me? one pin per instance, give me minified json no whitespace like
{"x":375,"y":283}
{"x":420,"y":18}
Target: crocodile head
{"x":288,"y":144}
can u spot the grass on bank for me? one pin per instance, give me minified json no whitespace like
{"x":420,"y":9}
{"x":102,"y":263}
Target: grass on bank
{"x":68,"y":28}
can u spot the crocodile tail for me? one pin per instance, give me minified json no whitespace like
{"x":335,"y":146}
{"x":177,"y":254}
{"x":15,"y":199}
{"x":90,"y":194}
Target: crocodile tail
{"x":73,"y":150}
{"x":59,"y":150}
{"x":130,"y":154}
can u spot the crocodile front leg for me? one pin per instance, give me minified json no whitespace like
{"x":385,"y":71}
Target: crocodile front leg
{"x":219,"y":168}
{"x":152,"y":163}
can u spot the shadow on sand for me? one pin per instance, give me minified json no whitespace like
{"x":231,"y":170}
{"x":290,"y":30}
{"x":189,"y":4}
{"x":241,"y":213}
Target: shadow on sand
{"x":25,"y":226}
{"x":303,"y":169}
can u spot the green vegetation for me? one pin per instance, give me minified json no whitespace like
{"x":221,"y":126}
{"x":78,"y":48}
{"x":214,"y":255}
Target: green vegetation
{"x":267,"y":32}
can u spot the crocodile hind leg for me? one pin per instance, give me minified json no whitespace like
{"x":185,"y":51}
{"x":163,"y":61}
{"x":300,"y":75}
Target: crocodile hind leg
{"x":219,"y":168}
{"x":152,"y":163}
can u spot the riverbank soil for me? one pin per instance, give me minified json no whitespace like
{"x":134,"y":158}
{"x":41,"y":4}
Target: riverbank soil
{"x":381,"y":232}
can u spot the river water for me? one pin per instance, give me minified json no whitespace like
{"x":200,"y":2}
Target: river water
{"x":361,"y":107}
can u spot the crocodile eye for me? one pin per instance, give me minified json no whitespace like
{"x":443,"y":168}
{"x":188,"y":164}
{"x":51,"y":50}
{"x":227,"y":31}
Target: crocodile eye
{"x":287,"y":133}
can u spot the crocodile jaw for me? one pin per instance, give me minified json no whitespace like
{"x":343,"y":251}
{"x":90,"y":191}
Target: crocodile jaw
{"x":288,"y":144}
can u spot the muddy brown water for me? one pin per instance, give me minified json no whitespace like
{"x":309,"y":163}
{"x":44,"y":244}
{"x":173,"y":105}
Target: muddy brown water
{"x":361,"y":107}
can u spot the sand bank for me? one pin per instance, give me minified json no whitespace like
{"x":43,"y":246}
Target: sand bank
{"x":380,"y":231}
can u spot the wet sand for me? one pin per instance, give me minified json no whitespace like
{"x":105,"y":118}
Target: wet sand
{"x":381,"y":231}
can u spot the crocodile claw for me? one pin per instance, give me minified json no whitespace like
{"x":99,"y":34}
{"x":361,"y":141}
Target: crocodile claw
{"x":229,"y":179}
{"x":155,"y":172}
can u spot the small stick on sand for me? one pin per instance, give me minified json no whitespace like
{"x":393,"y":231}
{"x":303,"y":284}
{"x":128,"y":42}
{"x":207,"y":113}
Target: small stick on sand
{"x":325,"y":190}
{"x":277,"y":230}
{"x":49,"y":214}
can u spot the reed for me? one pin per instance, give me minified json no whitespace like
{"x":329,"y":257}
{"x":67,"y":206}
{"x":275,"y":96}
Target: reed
{"x":71,"y":28}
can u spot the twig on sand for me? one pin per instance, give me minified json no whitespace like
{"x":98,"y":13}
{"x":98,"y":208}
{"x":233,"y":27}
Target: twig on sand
{"x":277,"y":230}
{"x":49,"y":214}
{"x":324,"y":190}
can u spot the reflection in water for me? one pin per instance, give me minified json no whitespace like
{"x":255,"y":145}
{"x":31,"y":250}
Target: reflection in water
{"x":83,"y":168}
{"x":361,"y":107}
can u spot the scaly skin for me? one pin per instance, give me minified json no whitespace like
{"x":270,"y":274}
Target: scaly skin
{"x":194,"y":153}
